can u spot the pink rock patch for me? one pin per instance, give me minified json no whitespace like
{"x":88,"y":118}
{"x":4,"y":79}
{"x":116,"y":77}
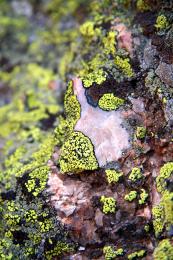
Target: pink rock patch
{"x":104,"y":128}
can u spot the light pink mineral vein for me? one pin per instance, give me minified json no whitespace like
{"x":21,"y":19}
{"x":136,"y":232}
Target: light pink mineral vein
{"x":104,"y":128}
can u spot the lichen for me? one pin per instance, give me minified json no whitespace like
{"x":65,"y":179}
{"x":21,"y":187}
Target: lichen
{"x":135,"y":174}
{"x":109,"y":204}
{"x":109,"y":43}
{"x":142,"y":5}
{"x":77,"y":154}
{"x":109,"y":102}
{"x":97,"y":76}
{"x":161,"y":22}
{"x":113,"y":176}
{"x":131,"y":195}
{"x":124,"y":66}
{"x":111,"y":253}
{"x":140,"y":132}
{"x":165,"y":172}
{"x":164,"y":250}
{"x":137,"y":254}
{"x":143,"y":196}
{"x":158,"y":219}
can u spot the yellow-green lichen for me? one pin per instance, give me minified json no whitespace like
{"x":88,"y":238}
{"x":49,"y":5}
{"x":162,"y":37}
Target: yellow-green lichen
{"x":124,"y":66}
{"x":165,"y":172}
{"x":164,"y":250}
{"x":158,"y":219}
{"x":97,"y":76}
{"x":72,"y":110}
{"x":161,"y":22}
{"x":131,"y":195}
{"x":135,"y":174}
{"x":137,"y":254}
{"x":111,"y":253}
{"x":109,"y":102}
{"x":142,"y":5}
{"x":109,"y":43}
{"x":77,"y":154}
{"x":143,"y":197}
{"x":109,"y":204}
{"x":140,"y":132}
{"x":113,"y":176}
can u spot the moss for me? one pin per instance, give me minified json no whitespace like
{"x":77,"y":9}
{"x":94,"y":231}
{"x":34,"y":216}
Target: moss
{"x":131,"y":195}
{"x":111,"y":253}
{"x":124,"y":66}
{"x":135,"y":174}
{"x":97,"y":76}
{"x":137,"y":254}
{"x":161,"y":22}
{"x":140,"y":132}
{"x":109,"y":204}
{"x":158,"y":219}
{"x":113,"y":176}
{"x":77,"y":154}
{"x":164,"y":250}
{"x":165,"y":172}
{"x":109,"y":102}
{"x":143,"y":197}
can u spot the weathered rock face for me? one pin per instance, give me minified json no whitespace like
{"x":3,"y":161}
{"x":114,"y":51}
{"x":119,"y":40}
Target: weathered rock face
{"x":90,"y":177}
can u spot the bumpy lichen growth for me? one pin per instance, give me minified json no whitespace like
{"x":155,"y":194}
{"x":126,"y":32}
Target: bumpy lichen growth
{"x":158,"y":218}
{"x":143,"y":197}
{"x":109,"y":204}
{"x":165,"y":172}
{"x":131,"y":195}
{"x":124,"y":65}
{"x":97,"y":76}
{"x":135,"y":174}
{"x":142,"y":5}
{"x":113,"y":176}
{"x":109,"y":102}
{"x":72,"y":111}
{"x":137,"y":254}
{"x":77,"y":154}
{"x":109,"y":43}
{"x":161,"y":22}
{"x":111,"y":253}
{"x":164,"y":250}
{"x":140,"y":132}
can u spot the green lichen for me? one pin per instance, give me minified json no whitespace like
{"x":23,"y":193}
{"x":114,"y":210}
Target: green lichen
{"x":109,"y":102}
{"x":135,"y":174}
{"x":161,"y":22}
{"x":164,"y":250}
{"x":77,"y":154}
{"x":165,"y":172}
{"x":158,"y":219}
{"x":124,"y":66}
{"x":137,"y":254}
{"x":113,"y":176}
{"x":109,"y":204}
{"x":143,"y":197}
{"x":131,"y":195}
{"x":72,"y":110}
{"x":111,"y":253}
{"x":109,"y":43}
{"x":97,"y":76}
{"x":140,"y":132}
{"x":142,"y":5}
